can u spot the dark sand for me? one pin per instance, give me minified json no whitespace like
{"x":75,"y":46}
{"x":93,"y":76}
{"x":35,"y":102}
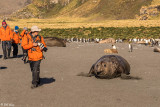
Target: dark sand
{"x":62,"y":88}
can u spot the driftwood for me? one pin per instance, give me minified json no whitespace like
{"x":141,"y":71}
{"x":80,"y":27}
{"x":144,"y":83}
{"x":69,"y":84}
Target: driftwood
{"x":109,"y":40}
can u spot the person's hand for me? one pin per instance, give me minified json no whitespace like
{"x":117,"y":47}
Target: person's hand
{"x":45,"y":49}
{"x":11,"y":40}
{"x":35,"y":44}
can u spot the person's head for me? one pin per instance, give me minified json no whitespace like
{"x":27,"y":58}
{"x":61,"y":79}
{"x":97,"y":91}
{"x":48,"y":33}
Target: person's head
{"x":4,"y":24}
{"x":26,"y":29}
{"x":16,"y":29}
{"x":35,"y":33}
{"x":35,"y":30}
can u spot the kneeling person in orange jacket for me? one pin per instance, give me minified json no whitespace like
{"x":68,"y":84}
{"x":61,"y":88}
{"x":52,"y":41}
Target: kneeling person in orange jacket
{"x":35,"y":44}
{"x":16,"y":41}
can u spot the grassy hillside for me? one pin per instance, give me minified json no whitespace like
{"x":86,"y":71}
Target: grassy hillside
{"x":104,"y":9}
{"x":155,"y":2}
{"x":120,"y":9}
{"x":90,"y":9}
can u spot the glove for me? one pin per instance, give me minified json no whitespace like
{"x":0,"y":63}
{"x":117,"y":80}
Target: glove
{"x":45,"y":49}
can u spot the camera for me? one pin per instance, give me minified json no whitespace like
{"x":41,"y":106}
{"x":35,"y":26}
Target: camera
{"x":42,"y":47}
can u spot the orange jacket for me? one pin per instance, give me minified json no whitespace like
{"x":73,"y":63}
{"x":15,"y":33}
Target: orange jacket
{"x":23,"y":34}
{"x":6,"y":34}
{"x":34,"y":53}
{"x":16,"y":38}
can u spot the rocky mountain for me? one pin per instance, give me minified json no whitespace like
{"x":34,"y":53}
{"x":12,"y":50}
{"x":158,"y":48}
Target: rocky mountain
{"x":7,"y":7}
{"x":91,"y":9}
{"x":150,"y":12}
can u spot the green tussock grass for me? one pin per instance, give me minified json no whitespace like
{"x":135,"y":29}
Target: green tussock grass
{"x":104,"y":32}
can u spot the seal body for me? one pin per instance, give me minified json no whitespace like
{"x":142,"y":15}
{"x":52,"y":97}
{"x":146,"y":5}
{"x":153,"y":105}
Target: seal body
{"x":54,"y":41}
{"x":156,"y":49}
{"x":110,"y":66}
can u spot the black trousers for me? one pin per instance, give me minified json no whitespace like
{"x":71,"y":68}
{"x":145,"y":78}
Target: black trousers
{"x":35,"y":69}
{"x":15,"y":49}
{"x":6,"y":46}
{"x":25,"y":53}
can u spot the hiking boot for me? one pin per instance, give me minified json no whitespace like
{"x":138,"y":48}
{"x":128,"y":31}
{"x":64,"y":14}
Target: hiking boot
{"x":23,"y":59}
{"x":9,"y":57}
{"x":5,"y":58}
{"x":34,"y":86}
{"x":14,"y":56}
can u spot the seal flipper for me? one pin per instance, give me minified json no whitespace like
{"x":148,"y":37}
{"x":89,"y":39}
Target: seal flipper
{"x":91,"y":72}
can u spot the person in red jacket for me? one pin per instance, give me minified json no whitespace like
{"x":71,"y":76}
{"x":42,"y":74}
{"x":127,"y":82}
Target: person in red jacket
{"x":35,"y":45}
{"x":16,"y":41}
{"x":6,"y":37}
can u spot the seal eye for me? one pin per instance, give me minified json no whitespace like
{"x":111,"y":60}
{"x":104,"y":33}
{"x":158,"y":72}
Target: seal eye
{"x":104,"y":65}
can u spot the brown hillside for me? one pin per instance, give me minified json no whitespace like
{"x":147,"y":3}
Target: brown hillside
{"x":9,"y":6}
{"x":90,"y":9}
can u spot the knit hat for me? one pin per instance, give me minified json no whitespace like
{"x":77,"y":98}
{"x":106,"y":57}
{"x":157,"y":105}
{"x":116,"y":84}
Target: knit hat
{"x":16,"y":28}
{"x":4,"y":22}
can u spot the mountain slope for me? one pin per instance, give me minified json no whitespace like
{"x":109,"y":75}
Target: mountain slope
{"x":9,"y":6}
{"x":109,"y":9}
{"x":91,"y":9}
{"x":155,"y":2}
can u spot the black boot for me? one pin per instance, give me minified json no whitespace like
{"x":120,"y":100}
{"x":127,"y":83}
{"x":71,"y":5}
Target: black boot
{"x":34,"y":86}
{"x":4,"y":57}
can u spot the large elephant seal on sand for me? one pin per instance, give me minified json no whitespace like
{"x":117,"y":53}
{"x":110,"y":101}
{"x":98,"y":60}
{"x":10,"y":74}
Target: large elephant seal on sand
{"x":54,"y":41}
{"x":108,"y":67}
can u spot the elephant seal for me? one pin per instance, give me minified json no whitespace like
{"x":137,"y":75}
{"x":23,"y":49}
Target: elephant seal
{"x":108,"y":67}
{"x":110,"y":51}
{"x":156,"y":49}
{"x":54,"y":41}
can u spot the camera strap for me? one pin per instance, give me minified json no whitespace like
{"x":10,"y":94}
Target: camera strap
{"x":35,"y":40}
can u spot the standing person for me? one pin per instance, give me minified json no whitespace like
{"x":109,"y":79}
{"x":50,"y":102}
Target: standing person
{"x":130,"y":47}
{"x":6,"y":37}
{"x":25,"y":52}
{"x":16,"y":41}
{"x":35,"y":45}
{"x":152,"y":42}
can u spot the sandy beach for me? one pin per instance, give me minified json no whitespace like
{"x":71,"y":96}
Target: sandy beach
{"x":61,"y":87}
